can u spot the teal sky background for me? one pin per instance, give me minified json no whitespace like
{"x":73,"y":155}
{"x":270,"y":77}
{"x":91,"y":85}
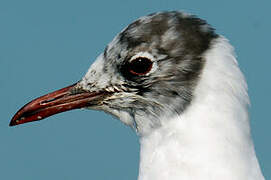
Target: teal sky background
{"x":46,"y":45}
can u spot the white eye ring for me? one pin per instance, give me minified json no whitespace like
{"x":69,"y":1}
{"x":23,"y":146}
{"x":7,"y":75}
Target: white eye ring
{"x":148,"y":56}
{"x":144,"y":55}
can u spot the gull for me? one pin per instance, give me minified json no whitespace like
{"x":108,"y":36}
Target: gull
{"x":177,"y":83}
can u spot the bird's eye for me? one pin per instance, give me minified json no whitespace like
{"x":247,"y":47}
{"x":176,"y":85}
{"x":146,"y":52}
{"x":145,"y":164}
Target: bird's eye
{"x":140,"y":66}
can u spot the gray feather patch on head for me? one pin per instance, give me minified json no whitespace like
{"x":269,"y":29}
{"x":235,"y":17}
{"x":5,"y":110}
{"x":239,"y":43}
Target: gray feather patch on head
{"x":176,"y":42}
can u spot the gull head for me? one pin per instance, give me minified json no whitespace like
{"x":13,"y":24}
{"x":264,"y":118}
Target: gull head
{"x":145,"y":76}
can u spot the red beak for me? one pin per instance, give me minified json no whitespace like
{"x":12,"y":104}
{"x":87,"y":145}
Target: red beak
{"x":65,"y":99}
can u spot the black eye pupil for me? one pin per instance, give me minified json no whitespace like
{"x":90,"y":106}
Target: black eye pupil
{"x":140,"y":66}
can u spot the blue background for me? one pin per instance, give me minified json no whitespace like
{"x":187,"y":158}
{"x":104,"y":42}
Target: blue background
{"x":46,"y":45}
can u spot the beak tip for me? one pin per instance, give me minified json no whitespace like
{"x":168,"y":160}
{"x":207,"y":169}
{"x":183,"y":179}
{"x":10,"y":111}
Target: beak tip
{"x":12,"y":123}
{"x":15,"y":120}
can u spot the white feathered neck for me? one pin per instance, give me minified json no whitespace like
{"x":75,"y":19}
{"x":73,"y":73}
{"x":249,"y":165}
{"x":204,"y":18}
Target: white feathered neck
{"x":211,"y":139}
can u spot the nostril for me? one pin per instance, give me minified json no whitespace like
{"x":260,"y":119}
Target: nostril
{"x":50,"y":100}
{"x":47,"y":101}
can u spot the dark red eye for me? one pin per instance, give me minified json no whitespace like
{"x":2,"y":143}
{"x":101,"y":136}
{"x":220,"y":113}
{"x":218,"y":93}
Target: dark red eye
{"x":140,"y":66}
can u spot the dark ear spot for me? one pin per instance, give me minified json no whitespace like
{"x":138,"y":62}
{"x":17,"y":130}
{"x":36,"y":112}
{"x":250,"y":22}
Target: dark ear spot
{"x":174,"y":93}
